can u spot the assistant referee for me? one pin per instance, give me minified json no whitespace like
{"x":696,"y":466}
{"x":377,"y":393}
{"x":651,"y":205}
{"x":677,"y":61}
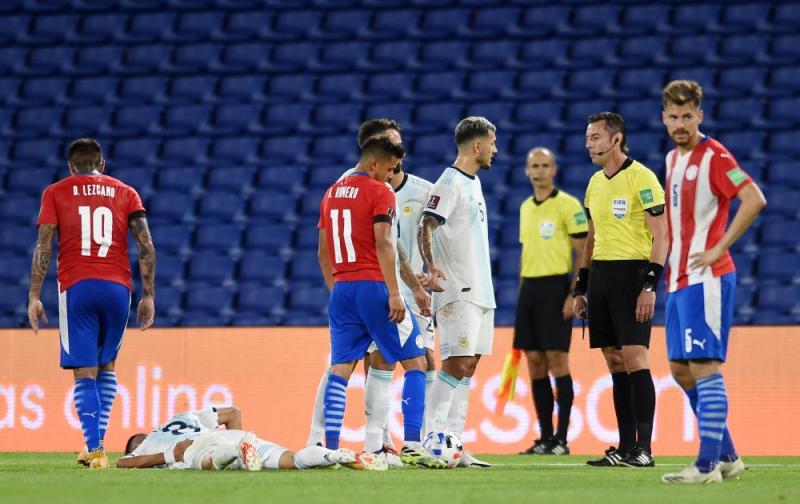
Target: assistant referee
{"x":625,"y":249}
{"x":551,"y":225}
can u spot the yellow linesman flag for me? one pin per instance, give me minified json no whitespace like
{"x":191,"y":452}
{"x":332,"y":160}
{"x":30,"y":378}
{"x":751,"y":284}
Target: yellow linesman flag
{"x":507,"y":380}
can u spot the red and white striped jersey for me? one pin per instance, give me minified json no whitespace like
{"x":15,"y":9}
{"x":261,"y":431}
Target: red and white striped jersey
{"x":700,"y":186}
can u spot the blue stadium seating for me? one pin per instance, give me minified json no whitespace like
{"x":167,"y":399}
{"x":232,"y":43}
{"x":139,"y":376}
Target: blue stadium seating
{"x":231,"y":116}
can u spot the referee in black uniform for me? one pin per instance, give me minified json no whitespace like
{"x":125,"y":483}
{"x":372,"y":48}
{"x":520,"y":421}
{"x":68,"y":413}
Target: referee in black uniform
{"x":625,"y":249}
{"x":551,"y":226}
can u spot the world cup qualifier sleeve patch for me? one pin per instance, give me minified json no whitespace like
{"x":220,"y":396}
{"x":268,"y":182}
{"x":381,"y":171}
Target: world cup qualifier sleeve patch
{"x":736,"y":176}
{"x":433,"y":202}
{"x":580,"y":218}
{"x":646,"y":195}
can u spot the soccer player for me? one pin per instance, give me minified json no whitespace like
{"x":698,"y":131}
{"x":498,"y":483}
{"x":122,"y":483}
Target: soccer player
{"x":92,"y":213}
{"x":625,"y":249}
{"x":454,"y":243}
{"x":193,"y":440}
{"x":357,"y":255}
{"x":703,"y":177}
{"x":551,"y":225}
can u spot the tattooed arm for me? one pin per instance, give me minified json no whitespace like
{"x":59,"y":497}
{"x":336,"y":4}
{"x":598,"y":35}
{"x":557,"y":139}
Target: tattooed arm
{"x":145,"y":314}
{"x":421,"y":297}
{"x":427,"y":225}
{"x":41,"y":261}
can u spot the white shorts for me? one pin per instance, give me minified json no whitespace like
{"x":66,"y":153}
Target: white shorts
{"x":425,"y":329}
{"x":204,"y":444}
{"x":465,"y":329}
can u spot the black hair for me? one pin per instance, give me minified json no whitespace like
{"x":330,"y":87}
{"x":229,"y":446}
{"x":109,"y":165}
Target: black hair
{"x":383,"y":148}
{"x":472,"y":127}
{"x":614,"y":124}
{"x":372,"y":127}
{"x":85,"y":154}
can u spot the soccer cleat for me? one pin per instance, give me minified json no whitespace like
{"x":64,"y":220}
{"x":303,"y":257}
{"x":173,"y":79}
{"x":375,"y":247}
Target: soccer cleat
{"x":469,"y":460}
{"x":248,"y":454}
{"x":537,"y":449}
{"x":83,"y":457}
{"x":366,"y":461}
{"x":392,"y":457}
{"x":732,"y":470}
{"x":97,"y":459}
{"x":613,"y":457}
{"x":639,"y":457}
{"x":414,"y":454}
{"x":556,"y":446}
{"x":692,"y":474}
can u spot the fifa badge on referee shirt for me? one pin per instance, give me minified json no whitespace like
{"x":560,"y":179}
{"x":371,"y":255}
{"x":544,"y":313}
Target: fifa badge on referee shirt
{"x":619,"y":207}
{"x":546,"y":229}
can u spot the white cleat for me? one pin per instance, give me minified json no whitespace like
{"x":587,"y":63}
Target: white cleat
{"x":692,"y":474}
{"x":342,"y":456}
{"x":248,"y":455}
{"x":732,"y":470}
{"x":366,"y":461}
{"x":468,"y":460}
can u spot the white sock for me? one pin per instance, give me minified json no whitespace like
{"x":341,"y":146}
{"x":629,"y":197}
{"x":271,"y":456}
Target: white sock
{"x":430,"y":377}
{"x":441,"y":398}
{"x":377,"y":393}
{"x":312,"y":456}
{"x":317,"y":434}
{"x":224,"y":455}
{"x":457,"y":416}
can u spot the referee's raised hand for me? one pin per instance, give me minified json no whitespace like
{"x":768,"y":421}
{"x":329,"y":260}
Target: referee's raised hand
{"x":645,"y":306}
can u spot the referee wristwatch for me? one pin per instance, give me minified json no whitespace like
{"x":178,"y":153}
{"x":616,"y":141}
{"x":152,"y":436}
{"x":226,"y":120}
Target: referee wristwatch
{"x":650,"y":277}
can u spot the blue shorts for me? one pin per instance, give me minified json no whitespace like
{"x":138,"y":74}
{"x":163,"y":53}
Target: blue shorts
{"x":699,"y":318}
{"x":92,"y":317}
{"x":358,"y":313}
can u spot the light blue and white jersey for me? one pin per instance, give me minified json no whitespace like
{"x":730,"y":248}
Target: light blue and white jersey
{"x":461,"y":243}
{"x":186,"y":425}
{"x":412,"y":195}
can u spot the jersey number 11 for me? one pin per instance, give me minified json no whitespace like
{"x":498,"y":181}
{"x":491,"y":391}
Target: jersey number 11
{"x":347,"y":232}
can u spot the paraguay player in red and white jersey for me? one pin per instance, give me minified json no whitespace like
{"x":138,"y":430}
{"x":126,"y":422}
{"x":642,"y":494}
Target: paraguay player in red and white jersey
{"x":702,"y":179}
{"x":91,"y":213}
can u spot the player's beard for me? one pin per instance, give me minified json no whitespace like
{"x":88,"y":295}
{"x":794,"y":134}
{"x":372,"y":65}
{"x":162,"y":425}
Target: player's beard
{"x":685,"y":134}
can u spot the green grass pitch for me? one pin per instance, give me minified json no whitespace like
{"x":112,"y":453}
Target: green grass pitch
{"x":55,"y":478}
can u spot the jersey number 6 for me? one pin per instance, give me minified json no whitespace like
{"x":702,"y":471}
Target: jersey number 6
{"x":95,"y":226}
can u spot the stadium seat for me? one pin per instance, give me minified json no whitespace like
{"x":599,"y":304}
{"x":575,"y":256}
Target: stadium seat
{"x":781,"y":233}
{"x":174,"y":206}
{"x":274,"y":178}
{"x":170,"y":267}
{"x":136,"y":120}
{"x":48,"y":29}
{"x":27,"y":182}
{"x":195,"y":26}
{"x":308,"y":299}
{"x":342,"y":24}
{"x":241,"y":88}
{"x":270,"y":238}
{"x":172,"y":239}
{"x":742,"y":18}
{"x":210,"y":267}
{"x":772,"y":265}
{"x":87,"y":121}
{"x":140,"y":179}
{"x":390,"y":86}
{"x":206,"y":300}
{"x":220,"y":238}
{"x":249,"y":25}
{"x":738,"y":113}
{"x":539,"y":21}
{"x":693,"y":18}
{"x":273,"y":205}
{"x":221,"y":206}
{"x":784,"y":81}
{"x":32,"y":122}
{"x":784,"y":173}
{"x":20,"y":209}
{"x":263,"y":268}
{"x":232,"y":179}
{"x":260,"y":299}
{"x":784,"y":144}
{"x":781,"y":298}
{"x":441,"y":24}
{"x":194,"y":89}
{"x":294,"y":25}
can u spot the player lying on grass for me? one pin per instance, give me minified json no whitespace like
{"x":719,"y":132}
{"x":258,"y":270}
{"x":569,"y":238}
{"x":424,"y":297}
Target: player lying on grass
{"x":194,"y":440}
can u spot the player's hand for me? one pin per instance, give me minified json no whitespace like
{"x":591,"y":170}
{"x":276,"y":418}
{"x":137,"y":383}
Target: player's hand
{"x":423,"y":280}
{"x":702,"y":260}
{"x":645,"y":306}
{"x":580,"y":305}
{"x":423,"y":301}
{"x":36,"y":312}
{"x":568,"y":310}
{"x":146,"y":312}
{"x":434,"y":274}
{"x":397,"y":308}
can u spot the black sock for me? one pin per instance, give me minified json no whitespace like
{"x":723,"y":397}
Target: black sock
{"x":543,"y":401}
{"x":623,"y":407}
{"x":644,"y":404}
{"x":565,"y":397}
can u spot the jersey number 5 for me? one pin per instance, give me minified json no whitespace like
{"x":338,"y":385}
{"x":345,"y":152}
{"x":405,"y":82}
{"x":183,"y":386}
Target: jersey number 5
{"x":347,"y":233}
{"x":95,"y":226}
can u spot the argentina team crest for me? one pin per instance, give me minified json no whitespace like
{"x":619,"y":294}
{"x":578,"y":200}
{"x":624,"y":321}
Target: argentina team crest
{"x":619,"y":207}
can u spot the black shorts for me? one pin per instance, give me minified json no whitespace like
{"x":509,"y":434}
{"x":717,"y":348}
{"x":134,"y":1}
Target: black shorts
{"x":614,"y":287}
{"x":539,"y":324}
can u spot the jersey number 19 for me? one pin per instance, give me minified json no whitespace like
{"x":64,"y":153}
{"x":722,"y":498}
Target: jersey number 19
{"x":347,"y":233}
{"x":95,"y":226}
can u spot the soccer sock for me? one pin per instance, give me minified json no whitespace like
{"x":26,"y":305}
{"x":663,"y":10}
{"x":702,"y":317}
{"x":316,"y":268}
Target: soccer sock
{"x":457,"y":416}
{"x":413,"y":404}
{"x":335,"y":397}
{"x":107,"y":392}
{"x":566,"y":395}
{"x":543,"y":402}
{"x":438,"y":405}
{"x":727,"y":451}
{"x":377,"y":394}
{"x":430,"y":377}
{"x":311,"y":456}
{"x":87,"y":404}
{"x":317,"y":434}
{"x":712,"y":415}
{"x":623,"y":407}
{"x":644,"y":404}
{"x":224,"y":455}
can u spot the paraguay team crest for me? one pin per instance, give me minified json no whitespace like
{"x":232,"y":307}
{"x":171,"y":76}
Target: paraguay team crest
{"x":691,"y":172}
{"x":619,"y":207}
